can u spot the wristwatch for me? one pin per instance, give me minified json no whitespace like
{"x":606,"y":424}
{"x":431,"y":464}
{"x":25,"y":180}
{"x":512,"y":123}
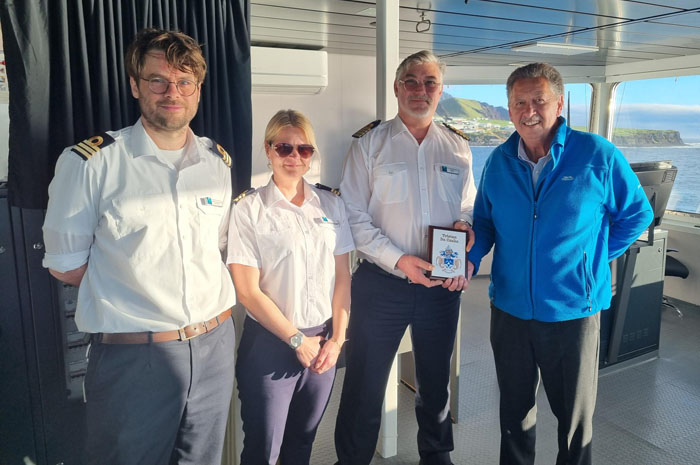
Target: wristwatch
{"x":295,"y":341}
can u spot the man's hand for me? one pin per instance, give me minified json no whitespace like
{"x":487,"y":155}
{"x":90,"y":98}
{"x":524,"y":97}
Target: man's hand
{"x":327,"y":357}
{"x":463,"y":226}
{"x":460,"y":283}
{"x":308,"y":350}
{"x":455,"y":284}
{"x":413,"y":267}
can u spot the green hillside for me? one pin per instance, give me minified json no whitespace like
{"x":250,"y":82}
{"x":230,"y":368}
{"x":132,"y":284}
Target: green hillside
{"x":460,"y":108}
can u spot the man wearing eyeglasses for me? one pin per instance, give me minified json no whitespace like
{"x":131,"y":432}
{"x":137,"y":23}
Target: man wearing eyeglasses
{"x":138,"y":219}
{"x":399,"y":178}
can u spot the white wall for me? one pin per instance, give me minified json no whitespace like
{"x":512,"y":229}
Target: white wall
{"x":346,"y":105}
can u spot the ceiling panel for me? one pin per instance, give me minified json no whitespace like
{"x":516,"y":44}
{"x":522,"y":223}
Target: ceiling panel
{"x":483,"y":32}
{"x":621,"y":9}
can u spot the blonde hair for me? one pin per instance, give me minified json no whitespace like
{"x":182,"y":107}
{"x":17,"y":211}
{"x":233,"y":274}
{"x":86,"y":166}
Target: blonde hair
{"x":289,"y":119}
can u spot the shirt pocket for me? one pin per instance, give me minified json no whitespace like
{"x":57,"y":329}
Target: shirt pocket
{"x":450,"y":182}
{"x":391,"y":183}
{"x":329,"y":232}
{"x":140,"y":225}
{"x":276,"y":238}
{"x":209,"y":217}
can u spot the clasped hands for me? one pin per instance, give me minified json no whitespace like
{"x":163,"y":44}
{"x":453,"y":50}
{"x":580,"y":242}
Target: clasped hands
{"x":318,"y":354}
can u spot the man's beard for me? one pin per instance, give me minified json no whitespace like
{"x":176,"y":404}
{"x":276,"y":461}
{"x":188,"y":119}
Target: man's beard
{"x":172,"y":123}
{"x":424,"y":112}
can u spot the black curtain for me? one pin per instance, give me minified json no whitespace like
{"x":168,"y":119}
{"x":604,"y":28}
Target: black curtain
{"x":67,"y":80}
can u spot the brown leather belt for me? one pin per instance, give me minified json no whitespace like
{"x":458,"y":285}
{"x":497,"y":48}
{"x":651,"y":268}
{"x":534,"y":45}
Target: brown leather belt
{"x":183,"y":334}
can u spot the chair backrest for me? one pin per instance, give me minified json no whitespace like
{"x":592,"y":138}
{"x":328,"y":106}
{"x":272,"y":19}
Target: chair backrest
{"x":674,"y":267}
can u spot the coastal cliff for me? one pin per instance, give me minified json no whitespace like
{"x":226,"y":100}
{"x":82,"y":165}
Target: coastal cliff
{"x":489,"y":125}
{"x":646,"y":138}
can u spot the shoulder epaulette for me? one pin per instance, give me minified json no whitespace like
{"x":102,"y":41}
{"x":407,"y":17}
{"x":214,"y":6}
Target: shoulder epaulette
{"x":326,"y":188}
{"x":220,"y":152}
{"x":92,"y":145}
{"x":361,"y":132}
{"x":456,"y":131}
{"x":243,"y":194}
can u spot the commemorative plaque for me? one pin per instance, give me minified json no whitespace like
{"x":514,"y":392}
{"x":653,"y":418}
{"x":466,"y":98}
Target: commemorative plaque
{"x":448,"y":252}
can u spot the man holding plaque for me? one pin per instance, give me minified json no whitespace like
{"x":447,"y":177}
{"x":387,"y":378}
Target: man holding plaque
{"x":400,"y":178}
{"x":557,"y":205}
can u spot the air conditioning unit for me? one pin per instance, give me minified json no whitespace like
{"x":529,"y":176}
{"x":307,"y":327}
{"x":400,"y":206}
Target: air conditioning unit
{"x":288,"y":71}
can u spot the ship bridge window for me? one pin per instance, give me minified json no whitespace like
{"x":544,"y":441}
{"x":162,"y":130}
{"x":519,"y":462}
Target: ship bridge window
{"x":481,"y":112}
{"x":659,"y":119}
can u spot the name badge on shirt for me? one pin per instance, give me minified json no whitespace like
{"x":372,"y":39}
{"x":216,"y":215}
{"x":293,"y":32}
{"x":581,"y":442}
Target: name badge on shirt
{"x":325,"y":220}
{"x":212,"y":202}
{"x":449,"y":170}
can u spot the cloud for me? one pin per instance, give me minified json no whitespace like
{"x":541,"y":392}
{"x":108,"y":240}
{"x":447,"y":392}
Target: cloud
{"x":681,"y":111}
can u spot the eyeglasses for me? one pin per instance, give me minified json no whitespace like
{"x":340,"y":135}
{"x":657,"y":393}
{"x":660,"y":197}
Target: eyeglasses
{"x":413,"y":84}
{"x":158,"y":85}
{"x":284,"y":150}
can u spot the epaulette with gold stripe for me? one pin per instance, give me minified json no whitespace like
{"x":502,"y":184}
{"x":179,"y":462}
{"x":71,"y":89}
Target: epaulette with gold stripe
{"x":456,"y":131}
{"x":92,"y":145}
{"x":243,"y":194}
{"x":220,"y":152}
{"x":362,"y":131}
{"x":318,"y":185}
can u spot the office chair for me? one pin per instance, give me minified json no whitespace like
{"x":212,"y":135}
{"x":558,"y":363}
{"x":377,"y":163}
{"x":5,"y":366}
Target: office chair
{"x":674,"y":267}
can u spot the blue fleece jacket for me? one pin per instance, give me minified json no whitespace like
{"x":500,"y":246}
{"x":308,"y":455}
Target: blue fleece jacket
{"x":553,"y":242}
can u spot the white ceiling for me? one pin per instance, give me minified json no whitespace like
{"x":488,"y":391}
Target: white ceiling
{"x":483,"y":32}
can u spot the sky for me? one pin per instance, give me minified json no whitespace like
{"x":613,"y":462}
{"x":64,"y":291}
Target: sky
{"x":666,"y":103}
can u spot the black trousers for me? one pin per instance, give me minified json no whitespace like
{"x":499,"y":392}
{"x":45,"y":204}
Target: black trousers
{"x":565,"y":355}
{"x":160,"y":403}
{"x":382,"y":308}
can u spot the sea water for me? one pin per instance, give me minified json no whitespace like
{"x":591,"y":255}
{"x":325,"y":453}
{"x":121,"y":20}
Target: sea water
{"x":685,"y":195}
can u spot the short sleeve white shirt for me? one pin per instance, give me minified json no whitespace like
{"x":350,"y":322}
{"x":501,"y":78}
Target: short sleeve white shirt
{"x":294,"y":248}
{"x":153,"y":237}
{"x":395,"y":188}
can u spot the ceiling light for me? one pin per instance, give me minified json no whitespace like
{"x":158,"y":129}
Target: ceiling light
{"x":367,"y":12}
{"x":555,"y":48}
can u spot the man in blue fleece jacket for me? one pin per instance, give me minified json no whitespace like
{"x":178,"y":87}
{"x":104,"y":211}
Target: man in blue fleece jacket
{"x":557,"y":205}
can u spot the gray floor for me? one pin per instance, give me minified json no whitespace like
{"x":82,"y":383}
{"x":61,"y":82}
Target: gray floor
{"x":647,"y":413}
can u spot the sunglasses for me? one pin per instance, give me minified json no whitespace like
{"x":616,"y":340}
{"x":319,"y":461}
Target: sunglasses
{"x":284,"y":150}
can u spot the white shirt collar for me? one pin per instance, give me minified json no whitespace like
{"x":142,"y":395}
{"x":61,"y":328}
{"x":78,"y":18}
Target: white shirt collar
{"x":142,"y":144}
{"x":270,"y":194}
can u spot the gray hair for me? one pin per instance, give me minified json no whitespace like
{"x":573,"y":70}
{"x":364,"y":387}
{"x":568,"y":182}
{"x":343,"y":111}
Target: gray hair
{"x":419,"y":58}
{"x":534,"y":71}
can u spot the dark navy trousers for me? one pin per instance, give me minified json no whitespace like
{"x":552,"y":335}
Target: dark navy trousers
{"x":282,"y":403}
{"x":383,"y":306}
{"x":565,"y":355}
{"x":160,"y":403}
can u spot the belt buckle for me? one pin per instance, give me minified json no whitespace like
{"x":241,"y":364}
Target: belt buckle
{"x":183,"y":335}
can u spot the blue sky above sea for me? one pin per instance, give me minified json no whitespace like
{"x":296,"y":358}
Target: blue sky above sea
{"x":666,"y":103}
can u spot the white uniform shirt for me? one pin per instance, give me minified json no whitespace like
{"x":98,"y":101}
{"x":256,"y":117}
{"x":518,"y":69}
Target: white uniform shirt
{"x":394,"y":189}
{"x":153,"y":236}
{"x":294,"y":248}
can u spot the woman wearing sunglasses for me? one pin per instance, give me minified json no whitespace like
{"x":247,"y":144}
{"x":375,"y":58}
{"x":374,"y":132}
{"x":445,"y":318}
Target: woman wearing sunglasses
{"x":288,"y":254}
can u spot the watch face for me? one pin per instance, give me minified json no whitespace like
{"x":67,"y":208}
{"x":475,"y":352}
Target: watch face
{"x":295,"y":341}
